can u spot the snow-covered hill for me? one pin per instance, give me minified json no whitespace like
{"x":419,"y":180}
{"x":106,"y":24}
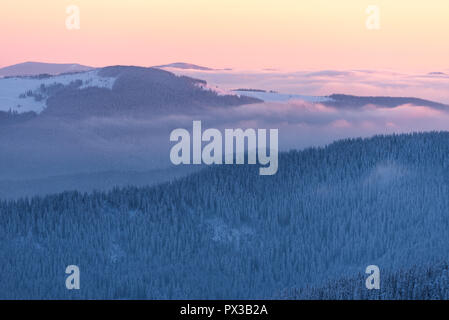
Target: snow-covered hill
{"x":24,"y":94}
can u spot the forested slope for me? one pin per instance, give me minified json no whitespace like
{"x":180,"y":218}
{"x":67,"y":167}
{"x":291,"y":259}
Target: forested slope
{"x":138,"y":91}
{"x":228,"y":233}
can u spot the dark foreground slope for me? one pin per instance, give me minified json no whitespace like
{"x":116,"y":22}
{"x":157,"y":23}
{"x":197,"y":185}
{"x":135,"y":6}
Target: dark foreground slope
{"x":229,"y":233}
{"x":417,"y":282}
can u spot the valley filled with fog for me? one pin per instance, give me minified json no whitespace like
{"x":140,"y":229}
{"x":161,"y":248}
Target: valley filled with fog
{"x":100,"y":128}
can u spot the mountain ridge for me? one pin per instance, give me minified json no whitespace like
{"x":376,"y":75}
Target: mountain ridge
{"x":110,"y":90}
{"x":184,"y":65}
{"x":32,"y":68}
{"x":346,"y":100}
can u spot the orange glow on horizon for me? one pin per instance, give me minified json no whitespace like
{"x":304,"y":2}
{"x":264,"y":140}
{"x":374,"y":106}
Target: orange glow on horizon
{"x":284,"y":34}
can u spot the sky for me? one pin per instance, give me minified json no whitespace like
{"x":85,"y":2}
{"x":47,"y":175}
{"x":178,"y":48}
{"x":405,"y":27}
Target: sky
{"x":279,"y":34}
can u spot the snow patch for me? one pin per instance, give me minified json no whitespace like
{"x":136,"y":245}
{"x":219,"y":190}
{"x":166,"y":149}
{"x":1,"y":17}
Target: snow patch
{"x":221,"y":232}
{"x":13,"y":89}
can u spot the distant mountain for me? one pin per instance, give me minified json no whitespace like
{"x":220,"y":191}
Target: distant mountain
{"x":124,"y":90}
{"x":183,"y":65}
{"x":36,"y":68}
{"x":251,"y":90}
{"x":437,"y":73}
{"x":340,"y":100}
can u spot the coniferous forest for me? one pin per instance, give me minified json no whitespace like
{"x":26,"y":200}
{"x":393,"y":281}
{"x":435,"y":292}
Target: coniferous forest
{"x":226,"y":232}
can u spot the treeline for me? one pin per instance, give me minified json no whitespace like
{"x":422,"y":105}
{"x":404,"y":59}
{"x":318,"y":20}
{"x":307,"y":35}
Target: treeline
{"x":348,"y":101}
{"x":419,"y":282}
{"x":13,"y":117}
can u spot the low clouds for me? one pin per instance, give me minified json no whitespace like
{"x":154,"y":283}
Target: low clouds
{"x":46,"y":146}
{"x":430,"y":85}
{"x":303,"y":124}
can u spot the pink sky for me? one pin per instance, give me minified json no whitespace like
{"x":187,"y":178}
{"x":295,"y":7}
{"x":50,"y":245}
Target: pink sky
{"x":250,"y":34}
